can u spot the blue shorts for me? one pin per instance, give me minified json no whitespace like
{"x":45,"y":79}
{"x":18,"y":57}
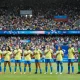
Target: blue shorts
{"x":48,"y":61}
{"x":37,"y":61}
{"x":70,"y":60}
{"x":27,"y":62}
{"x":17,"y":61}
{"x":59,"y":62}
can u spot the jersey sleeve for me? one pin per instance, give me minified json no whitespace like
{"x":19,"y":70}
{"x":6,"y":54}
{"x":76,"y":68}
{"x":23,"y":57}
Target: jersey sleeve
{"x":31,"y":52}
{"x":73,"y":50}
{"x":56,"y":53}
{"x":40,"y":51}
{"x":25,"y":52}
{"x":15,"y":51}
{"x":10,"y":53}
{"x":4,"y":52}
{"x":45,"y":51}
{"x":20,"y":51}
{"x":51,"y":51}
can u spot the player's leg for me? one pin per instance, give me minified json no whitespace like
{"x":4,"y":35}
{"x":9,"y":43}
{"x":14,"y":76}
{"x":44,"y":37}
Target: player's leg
{"x":69,"y":61}
{"x":36,"y":65}
{"x":61,"y":64}
{"x":15,"y":68}
{"x":29,"y":65}
{"x":72,"y":66}
{"x":57,"y":67}
{"x":46,"y":66}
{"x":51,"y":69}
{"x":25,"y":65}
{"x":40,"y":67}
{"x":5,"y":63}
{"x":20,"y":67}
{"x":78,"y":66}
{"x":9,"y":64}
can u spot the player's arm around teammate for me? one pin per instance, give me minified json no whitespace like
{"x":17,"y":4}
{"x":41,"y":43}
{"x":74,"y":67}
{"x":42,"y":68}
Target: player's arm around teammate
{"x":59,"y":58}
{"x":48,"y":57}
{"x":27,"y":56}
{"x":37,"y":54}
{"x":17,"y":55}
{"x":71,"y":57}
{"x":7,"y":55}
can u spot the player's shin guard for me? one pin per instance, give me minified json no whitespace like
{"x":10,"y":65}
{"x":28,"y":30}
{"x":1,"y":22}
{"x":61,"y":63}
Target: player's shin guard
{"x":68,"y":69}
{"x":0,"y":68}
{"x":61,"y":68}
{"x":40,"y":70}
{"x":51,"y":68}
{"x":10,"y":69}
{"x":36,"y":70}
{"x":24,"y":69}
{"x":72,"y":69}
{"x":29,"y":69}
{"x":4,"y":69}
{"x":20,"y":69}
{"x":46,"y":68}
{"x":15,"y":68}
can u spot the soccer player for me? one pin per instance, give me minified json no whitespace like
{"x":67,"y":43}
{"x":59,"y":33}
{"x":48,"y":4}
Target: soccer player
{"x":27,"y":56}
{"x":17,"y":54}
{"x":48,"y":57}
{"x":71,"y":55}
{"x":78,"y":61}
{"x":0,"y":61}
{"x":37,"y":54}
{"x":7,"y":55}
{"x":59,"y":58}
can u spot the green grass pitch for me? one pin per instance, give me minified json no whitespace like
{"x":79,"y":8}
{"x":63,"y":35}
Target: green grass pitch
{"x":38,"y":76}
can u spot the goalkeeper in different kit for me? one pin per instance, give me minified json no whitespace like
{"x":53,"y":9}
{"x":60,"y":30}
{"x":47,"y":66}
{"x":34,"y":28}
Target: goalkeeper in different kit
{"x":78,"y":61}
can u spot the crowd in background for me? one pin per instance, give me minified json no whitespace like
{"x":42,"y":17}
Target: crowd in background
{"x":10,"y":18}
{"x":14,"y":22}
{"x":40,"y":41}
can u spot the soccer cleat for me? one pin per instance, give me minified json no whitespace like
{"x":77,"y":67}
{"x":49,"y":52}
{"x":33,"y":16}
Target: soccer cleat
{"x":14,"y":72}
{"x":51,"y":73}
{"x":68,"y":73}
{"x":57,"y":73}
{"x":29,"y":72}
{"x":20,"y":72}
{"x":35,"y":73}
{"x":24,"y":73}
{"x":60,"y":73}
{"x":40,"y":72}
{"x":10,"y":72}
{"x":45,"y":73}
{"x":78,"y":73}
{"x":72,"y":73}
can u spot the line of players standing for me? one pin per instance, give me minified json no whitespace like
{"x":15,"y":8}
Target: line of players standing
{"x":37,"y":53}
